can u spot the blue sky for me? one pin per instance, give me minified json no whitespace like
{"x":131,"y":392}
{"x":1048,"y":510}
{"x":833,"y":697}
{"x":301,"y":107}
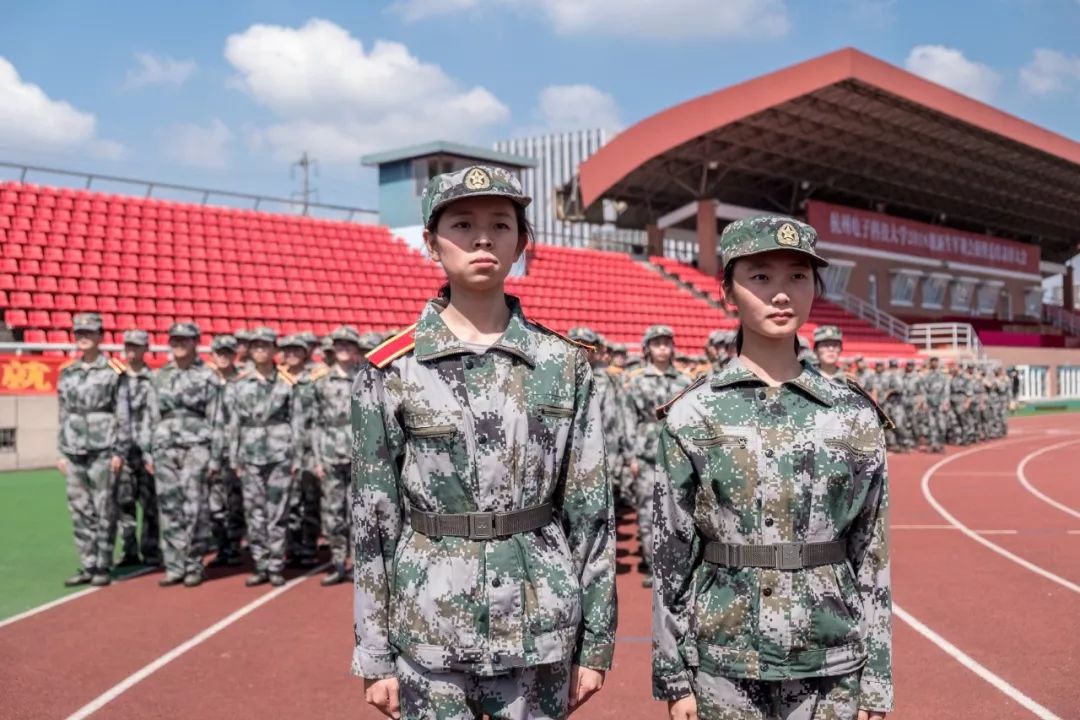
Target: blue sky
{"x":225,"y":95}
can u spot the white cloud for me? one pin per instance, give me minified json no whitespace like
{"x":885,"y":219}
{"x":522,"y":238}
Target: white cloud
{"x":31,"y":120}
{"x":667,"y":20}
{"x":1050,"y":71}
{"x":338,"y":101}
{"x":576,"y":107}
{"x":948,"y":66}
{"x":158,"y":70}
{"x":199,"y":146}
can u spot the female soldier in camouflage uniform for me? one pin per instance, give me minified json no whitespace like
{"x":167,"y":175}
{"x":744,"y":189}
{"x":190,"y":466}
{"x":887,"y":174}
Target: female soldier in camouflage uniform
{"x":484,"y":538}
{"x":772,"y":595}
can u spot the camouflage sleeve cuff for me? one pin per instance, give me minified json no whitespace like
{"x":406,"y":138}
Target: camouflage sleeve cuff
{"x":875,"y":694}
{"x":672,"y":687}
{"x":373,"y":666}
{"x":594,"y":654}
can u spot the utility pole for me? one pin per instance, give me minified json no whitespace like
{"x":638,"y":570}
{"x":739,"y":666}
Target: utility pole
{"x":306,"y":164}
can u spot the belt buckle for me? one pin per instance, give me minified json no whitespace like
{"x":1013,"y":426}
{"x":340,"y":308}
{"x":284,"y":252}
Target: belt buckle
{"x":788,"y":557}
{"x":481,"y":526}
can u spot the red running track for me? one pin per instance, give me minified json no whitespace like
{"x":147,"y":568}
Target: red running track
{"x":290,"y":656}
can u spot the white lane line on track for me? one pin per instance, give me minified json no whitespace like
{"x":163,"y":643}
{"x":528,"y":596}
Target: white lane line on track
{"x":147,"y":670}
{"x":971,"y":664}
{"x":68,"y":598}
{"x":950,"y":527}
{"x":1022,"y":477}
{"x":1067,"y":584}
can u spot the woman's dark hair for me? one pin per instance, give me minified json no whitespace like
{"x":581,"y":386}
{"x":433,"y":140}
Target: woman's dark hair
{"x":726,"y":283}
{"x":525,"y":227}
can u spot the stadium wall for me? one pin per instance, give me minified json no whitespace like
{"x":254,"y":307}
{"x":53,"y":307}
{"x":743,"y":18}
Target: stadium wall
{"x":35,"y":422}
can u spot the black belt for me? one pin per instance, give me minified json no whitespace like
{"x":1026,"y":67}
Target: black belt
{"x":481,"y":526}
{"x":785,"y":556}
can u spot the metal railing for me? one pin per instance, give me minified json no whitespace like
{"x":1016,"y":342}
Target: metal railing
{"x":1062,"y":319}
{"x":256,"y":202}
{"x":1068,"y":381}
{"x":880,"y":319}
{"x":958,"y":337}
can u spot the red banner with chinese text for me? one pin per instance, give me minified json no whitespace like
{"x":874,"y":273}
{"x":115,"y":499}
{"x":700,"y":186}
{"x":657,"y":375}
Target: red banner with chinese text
{"x":875,"y":231}
{"x":30,"y":374}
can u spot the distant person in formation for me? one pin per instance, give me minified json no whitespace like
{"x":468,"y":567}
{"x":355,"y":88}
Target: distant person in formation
{"x":326,"y":346}
{"x":183,"y":406}
{"x":485,"y":550}
{"x":654,"y":385}
{"x":1002,"y":388}
{"x":958,"y":400}
{"x":936,"y":388}
{"x":772,"y":596}
{"x":226,"y":496}
{"x":264,"y":431}
{"x":914,"y":398}
{"x":611,"y":411}
{"x":304,"y":501}
{"x":890,"y":392}
{"x":243,"y":344}
{"x":828,"y":343}
{"x":94,"y":438}
{"x":331,"y":443}
{"x":135,"y":490}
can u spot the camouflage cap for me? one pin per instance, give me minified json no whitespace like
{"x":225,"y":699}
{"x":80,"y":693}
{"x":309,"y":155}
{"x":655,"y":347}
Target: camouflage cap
{"x":87,"y":322}
{"x":309,"y":338}
{"x":292,"y":341}
{"x":242,"y":335}
{"x":327,"y":344}
{"x":879,"y":365}
{"x":137,"y":337}
{"x":827,"y":333}
{"x":766,"y":233}
{"x":618,"y":348}
{"x":602,"y":341}
{"x":345,"y":333}
{"x":718,"y":338}
{"x":473,"y":181}
{"x":584,"y":335}
{"x":909,"y":363}
{"x":223,"y":343}
{"x":894,"y":363}
{"x":657,"y":331}
{"x":263,"y":334}
{"x":184,"y":330}
{"x":370,"y":340}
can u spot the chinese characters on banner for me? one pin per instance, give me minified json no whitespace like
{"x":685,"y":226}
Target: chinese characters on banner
{"x":875,"y":231}
{"x":29,"y":375}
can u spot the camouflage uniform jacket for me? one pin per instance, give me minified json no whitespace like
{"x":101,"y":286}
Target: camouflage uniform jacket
{"x":936,"y":388}
{"x":183,"y":407}
{"x":94,"y":408}
{"x":331,"y":417}
{"x":442,"y":429}
{"x":263,"y":420}
{"x":138,"y":392}
{"x":645,"y":392}
{"x":913,"y":389}
{"x":744,"y":463}
{"x":305,"y":399}
{"x":612,"y":414}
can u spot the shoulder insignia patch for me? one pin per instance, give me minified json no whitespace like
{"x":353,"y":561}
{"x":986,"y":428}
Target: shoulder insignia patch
{"x":118,"y":366}
{"x":886,"y":421}
{"x":662,"y":411}
{"x":393,"y":348}
{"x":243,"y":374}
{"x":286,"y":376}
{"x":549,"y":331}
{"x":319,"y":372}
{"x":68,"y":363}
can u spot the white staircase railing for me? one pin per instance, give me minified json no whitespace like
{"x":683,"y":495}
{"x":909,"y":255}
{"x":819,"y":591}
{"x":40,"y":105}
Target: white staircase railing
{"x":957,"y":337}
{"x":1062,"y":319}
{"x":883,"y":321}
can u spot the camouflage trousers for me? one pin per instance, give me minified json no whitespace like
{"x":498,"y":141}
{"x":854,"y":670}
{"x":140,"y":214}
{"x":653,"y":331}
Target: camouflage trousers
{"x":227,"y":512}
{"x":182,"y":490}
{"x":91,"y":495}
{"x":266,"y":507}
{"x":304,"y":522}
{"x":643,"y":503}
{"x":936,"y":428}
{"x":958,"y":431}
{"x":336,"y":504}
{"x":533,"y":693}
{"x":899,"y":437}
{"x":824,"y":698}
{"x":135,"y":489}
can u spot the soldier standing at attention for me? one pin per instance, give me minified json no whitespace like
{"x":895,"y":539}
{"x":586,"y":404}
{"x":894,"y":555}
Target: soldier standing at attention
{"x":890,"y":393}
{"x":828,"y":343}
{"x":647,"y":390}
{"x":304,"y":503}
{"x":243,"y":343}
{"x":772,"y":595}
{"x":958,"y":400}
{"x":332,"y":445}
{"x":326,"y":345}
{"x":936,"y":389}
{"x":226,"y":497}
{"x":914,"y":395}
{"x":611,"y":411}
{"x":136,"y":486}
{"x":95,"y":434}
{"x":182,"y":407}
{"x":484,"y":533}
{"x":264,"y":432}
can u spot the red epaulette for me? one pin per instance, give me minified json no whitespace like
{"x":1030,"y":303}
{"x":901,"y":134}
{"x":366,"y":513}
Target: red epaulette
{"x":393,"y":348}
{"x":117,"y":365}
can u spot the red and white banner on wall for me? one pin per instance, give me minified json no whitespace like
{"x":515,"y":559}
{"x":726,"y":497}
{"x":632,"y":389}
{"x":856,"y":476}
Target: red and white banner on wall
{"x":875,"y":231}
{"x":30,"y":374}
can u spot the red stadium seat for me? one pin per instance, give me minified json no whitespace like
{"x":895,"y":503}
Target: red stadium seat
{"x":15,"y":318}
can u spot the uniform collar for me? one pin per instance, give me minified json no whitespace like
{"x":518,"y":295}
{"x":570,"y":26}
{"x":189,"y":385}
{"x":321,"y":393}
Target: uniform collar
{"x":99,"y":362}
{"x":651,"y":369}
{"x":435,"y":340}
{"x":810,"y":381}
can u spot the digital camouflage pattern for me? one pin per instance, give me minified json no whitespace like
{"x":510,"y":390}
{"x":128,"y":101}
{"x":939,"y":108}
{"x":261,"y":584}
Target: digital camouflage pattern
{"x":936,"y":391}
{"x":94,"y":427}
{"x":443,"y":429}
{"x":828,"y":333}
{"x":332,"y":443}
{"x":226,"y":499}
{"x":136,"y":486}
{"x":184,"y":406}
{"x":765,"y":233}
{"x":473,"y":181}
{"x":743,"y":463}
{"x":822,"y":698}
{"x":304,"y":497}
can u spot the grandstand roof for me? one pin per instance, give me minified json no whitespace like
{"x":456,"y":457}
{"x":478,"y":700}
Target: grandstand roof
{"x":443,"y":147}
{"x":847,"y":128}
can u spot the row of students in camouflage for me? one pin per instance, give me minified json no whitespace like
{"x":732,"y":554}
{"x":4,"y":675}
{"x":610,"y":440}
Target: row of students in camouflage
{"x":207,"y":450}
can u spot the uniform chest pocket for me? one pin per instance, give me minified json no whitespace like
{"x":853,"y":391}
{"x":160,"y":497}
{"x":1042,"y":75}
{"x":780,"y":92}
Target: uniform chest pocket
{"x":730,"y":462}
{"x":437,"y":451}
{"x":549,"y":421}
{"x":838,"y":462}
